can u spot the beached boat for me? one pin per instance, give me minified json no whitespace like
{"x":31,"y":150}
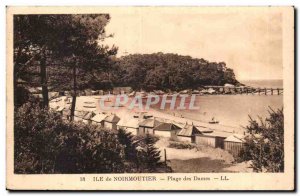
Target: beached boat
{"x":213,"y":121}
{"x":89,"y":106}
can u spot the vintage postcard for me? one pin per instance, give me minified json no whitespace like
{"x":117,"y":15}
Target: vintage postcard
{"x":150,"y":98}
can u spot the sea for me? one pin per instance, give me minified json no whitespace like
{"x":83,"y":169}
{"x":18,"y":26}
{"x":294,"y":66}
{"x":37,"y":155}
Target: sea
{"x":234,"y":110}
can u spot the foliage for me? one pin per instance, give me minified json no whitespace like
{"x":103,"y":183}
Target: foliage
{"x":170,"y":71}
{"x":181,"y":145}
{"x":61,"y":42}
{"x":149,"y":155}
{"x":46,"y":144}
{"x":130,"y":152}
{"x":21,"y":96}
{"x":265,"y":143}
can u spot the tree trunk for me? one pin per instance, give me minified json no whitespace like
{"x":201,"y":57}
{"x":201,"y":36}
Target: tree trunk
{"x":74,"y":94}
{"x":44,"y":80}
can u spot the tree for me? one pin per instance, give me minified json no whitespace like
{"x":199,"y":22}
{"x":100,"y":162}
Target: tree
{"x":44,"y":143}
{"x":30,"y":44}
{"x":130,"y":152}
{"x":170,"y":71}
{"x":82,"y":51}
{"x":265,"y":143}
{"x":149,"y":158}
{"x":71,"y":41}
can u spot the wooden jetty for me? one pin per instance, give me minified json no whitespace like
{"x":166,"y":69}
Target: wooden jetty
{"x":245,"y":90}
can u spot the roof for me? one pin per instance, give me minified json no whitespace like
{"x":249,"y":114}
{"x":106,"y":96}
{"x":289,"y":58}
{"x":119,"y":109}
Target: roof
{"x":218,"y":134}
{"x":80,"y":114}
{"x":60,"y":108}
{"x":149,"y":123}
{"x":128,"y":88}
{"x":112,"y":118}
{"x":228,"y":85}
{"x":166,"y":127}
{"x":99,"y":117}
{"x":189,"y":130}
{"x":88,"y":115}
{"x":131,"y":122}
{"x":235,"y":138}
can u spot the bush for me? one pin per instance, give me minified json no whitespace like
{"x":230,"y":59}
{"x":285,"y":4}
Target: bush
{"x":148,"y":154}
{"x":265,"y":143}
{"x":46,"y":144}
{"x":180,"y":145}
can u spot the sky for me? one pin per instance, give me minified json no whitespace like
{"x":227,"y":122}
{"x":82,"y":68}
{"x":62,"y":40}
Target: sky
{"x":248,"y":40}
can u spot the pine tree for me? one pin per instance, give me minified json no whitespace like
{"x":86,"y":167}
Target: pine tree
{"x":151,"y":154}
{"x":265,"y":143}
{"x":126,"y":139}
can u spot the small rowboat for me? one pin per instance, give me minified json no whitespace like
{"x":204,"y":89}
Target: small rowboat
{"x":213,"y":121}
{"x":89,"y":106}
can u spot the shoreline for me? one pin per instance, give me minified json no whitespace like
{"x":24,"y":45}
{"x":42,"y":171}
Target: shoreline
{"x":163,"y":115}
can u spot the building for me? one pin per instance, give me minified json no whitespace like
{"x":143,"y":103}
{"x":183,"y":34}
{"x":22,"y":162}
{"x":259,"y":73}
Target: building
{"x":87,"y":117}
{"x":168,"y":130}
{"x":78,"y":115}
{"x":110,"y":122}
{"x":188,"y":133}
{"x":211,"y":138}
{"x":59,"y":109}
{"x":129,"y":125}
{"x":98,"y":119}
{"x":234,"y":144}
{"x":147,"y":126}
{"x":122,"y":90}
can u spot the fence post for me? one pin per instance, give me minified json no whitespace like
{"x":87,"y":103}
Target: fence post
{"x":165,"y":156}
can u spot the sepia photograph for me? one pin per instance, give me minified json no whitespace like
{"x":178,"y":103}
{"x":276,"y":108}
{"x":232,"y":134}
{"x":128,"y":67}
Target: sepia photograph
{"x":147,"y":94}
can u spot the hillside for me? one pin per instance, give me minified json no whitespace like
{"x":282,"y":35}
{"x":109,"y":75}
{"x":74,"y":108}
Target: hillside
{"x":170,"y":71}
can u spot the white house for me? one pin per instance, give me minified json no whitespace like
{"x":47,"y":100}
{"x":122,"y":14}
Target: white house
{"x":168,"y":130}
{"x":129,"y":125}
{"x":98,"y":119}
{"x":147,"y":126}
{"x":188,"y":133}
{"x":110,"y":122}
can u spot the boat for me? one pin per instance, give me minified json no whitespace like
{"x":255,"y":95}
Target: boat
{"x":213,"y":121}
{"x":89,"y":106}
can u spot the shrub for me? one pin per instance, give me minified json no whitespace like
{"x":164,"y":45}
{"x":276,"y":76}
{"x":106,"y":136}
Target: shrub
{"x":148,"y":155}
{"x":46,"y":144}
{"x":180,"y":145}
{"x":265,"y":143}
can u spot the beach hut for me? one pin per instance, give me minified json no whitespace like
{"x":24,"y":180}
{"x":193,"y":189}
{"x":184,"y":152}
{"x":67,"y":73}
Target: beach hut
{"x":122,"y":90}
{"x":78,"y":115}
{"x":229,"y":89}
{"x":212,"y":138}
{"x":195,"y":92}
{"x":129,"y":125}
{"x":188,"y":133}
{"x":229,"y":85}
{"x":110,"y":122}
{"x":98,"y":119}
{"x":234,"y":144}
{"x":66,"y":113}
{"x":88,"y":92}
{"x":184,"y":91}
{"x":159,"y":92}
{"x":168,"y":130}
{"x":59,"y":109}
{"x":211,"y":91}
{"x":87,"y":117}
{"x":147,"y":126}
